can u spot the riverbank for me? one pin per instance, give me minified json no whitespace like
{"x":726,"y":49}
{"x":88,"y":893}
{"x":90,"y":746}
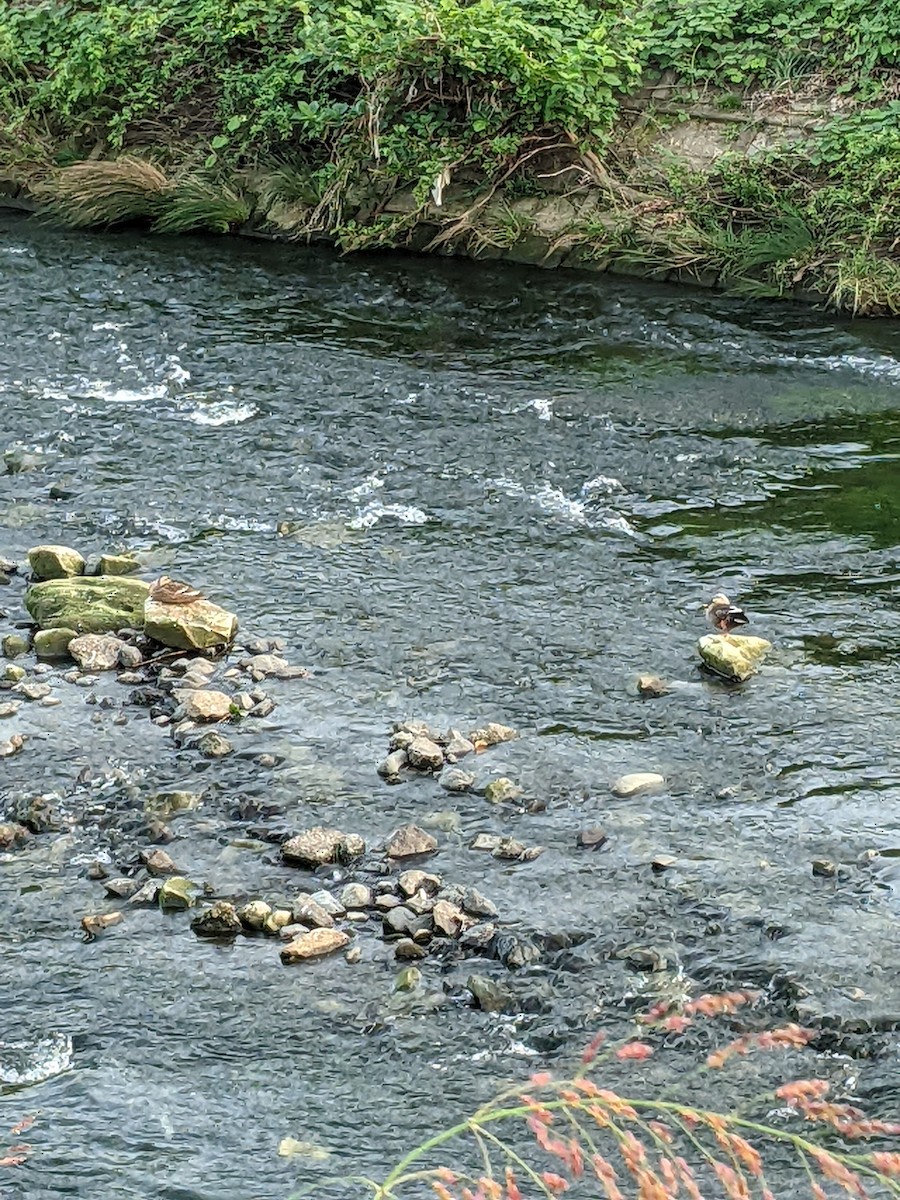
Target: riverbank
{"x":755,"y":152}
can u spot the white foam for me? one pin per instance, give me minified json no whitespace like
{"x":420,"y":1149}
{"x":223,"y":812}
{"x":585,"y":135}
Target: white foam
{"x":543,"y":407}
{"x":24,"y":1064}
{"x":215,"y":413}
{"x":375,"y":511}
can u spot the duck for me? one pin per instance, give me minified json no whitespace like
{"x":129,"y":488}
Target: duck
{"x":723,"y":615}
{"x":170,"y":591}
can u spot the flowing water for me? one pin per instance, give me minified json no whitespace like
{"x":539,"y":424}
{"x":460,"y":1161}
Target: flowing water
{"x":460,"y":493}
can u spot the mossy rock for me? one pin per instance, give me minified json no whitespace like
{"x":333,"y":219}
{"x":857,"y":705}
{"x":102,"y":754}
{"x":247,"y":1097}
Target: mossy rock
{"x":55,"y":562}
{"x":100,"y":604}
{"x":733,"y":656}
{"x":118,"y":564}
{"x":199,"y":625}
{"x":53,"y":643}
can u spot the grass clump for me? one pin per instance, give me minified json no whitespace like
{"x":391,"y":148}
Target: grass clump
{"x":199,"y":204}
{"x":107,"y":193}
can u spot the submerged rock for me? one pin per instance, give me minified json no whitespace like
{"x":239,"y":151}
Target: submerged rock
{"x":456,"y":780}
{"x":490,"y":996}
{"x":14,"y":645}
{"x":273,"y":666}
{"x":214,"y":745}
{"x":96,"y":651}
{"x":317,"y":846}
{"x":53,"y":643}
{"x":314,"y":944}
{"x":492,"y":734}
{"x":390,"y":767}
{"x":502,"y":791}
{"x":88,"y":605}
{"x":733,"y":656}
{"x":638,"y":783}
{"x":55,"y":562}
{"x":200,"y":625}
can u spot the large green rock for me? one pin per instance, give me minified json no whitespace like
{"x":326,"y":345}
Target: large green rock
{"x":733,"y":656}
{"x":100,"y":604}
{"x":55,"y":562}
{"x":199,"y":625}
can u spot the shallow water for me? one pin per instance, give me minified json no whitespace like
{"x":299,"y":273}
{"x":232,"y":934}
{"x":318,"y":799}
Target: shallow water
{"x":507,"y":494}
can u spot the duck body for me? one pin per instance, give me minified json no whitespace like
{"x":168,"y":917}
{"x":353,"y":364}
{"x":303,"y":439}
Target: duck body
{"x":723,"y":615}
{"x":170,"y":591}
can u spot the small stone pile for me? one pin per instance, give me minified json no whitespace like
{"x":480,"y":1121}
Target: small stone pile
{"x":415,"y":747}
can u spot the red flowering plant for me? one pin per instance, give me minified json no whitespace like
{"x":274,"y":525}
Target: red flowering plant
{"x":590,"y":1140}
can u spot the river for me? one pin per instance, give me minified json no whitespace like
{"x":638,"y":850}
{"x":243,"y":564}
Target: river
{"x":460,"y":493}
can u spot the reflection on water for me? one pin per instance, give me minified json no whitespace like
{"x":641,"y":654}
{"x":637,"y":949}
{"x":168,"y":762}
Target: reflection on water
{"x":460,"y":494}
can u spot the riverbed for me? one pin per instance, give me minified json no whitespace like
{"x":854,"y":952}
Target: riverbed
{"x":460,"y":494}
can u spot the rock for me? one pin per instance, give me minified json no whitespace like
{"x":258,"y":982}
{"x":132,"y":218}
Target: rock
{"x":332,"y":906}
{"x":203,"y":704}
{"x":490,"y":996}
{"x":121,"y":888}
{"x":514,"y":952}
{"x":456,"y":780}
{"x":406,"y":948}
{"x":485,"y":841}
{"x":7,"y":566}
{"x":491,"y":735}
{"x":13,"y":674}
{"x":477,"y":905}
{"x":34,"y":691}
{"x":214,"y":745}
{"x":200,"y":625}
{"x":177,"y":892}
{"x":221,"y":920}
{"x":643,"y":958}
{"x":456,"y":746}
{"x":53,"y":643}
{"x":158,"y":862}
{"x":87,"y":605}
{"x":14,"y":646}
{"x":662,"y":862}
{"x":403,"y":922}
{"x":733,"y":656}
{"x":420,"y":903}
{"x":317,"y":846}
{"x":264,"y":708}
{"x":130,"y":657}
{"x":118,"y":564}
{"x":271,"y":666}
{"x":253,"y":914}
{"x":147,"y":893}
{"x":502,"y":791}
{"x":278,"y":919}
{"x":391,"y":766}
{"x":307,"y":912}
{"x":12,"y":834}
{"x":168,"y":804}
{"x":651,"y":686}
{"x":512,"y":850}
{"x":96,"y":651}
{"x":638,"y":784}
{"x":410,"y":840}
{"x":55,"y":562}
{"x":314,"y":944}
{"x":10,"y":708}
{"x":424,"y":754}
{"x":447,"y":918}
{"x":96,"y":923}
{"x":410,"y":882}
{"x":824,"y":868}
{"x":591,"y":839}
{"x":353,"y":955}
{"x":408,"y":979}
{"x":356,"y":896}
{"x":478,"y":938}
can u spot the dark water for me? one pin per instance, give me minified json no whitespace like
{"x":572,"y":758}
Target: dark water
{"x":508,"y":493}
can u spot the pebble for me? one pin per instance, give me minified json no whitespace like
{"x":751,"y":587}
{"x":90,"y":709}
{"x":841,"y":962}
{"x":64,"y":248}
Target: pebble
{"x":638,"y":783}
{"x":502,"y":791}
{"x":35,"y":691}
{"x":406,"y":948}
{"x":591,"y":839}
{"x":456,"y":780}
{"x":10,"y":709}
{"x":353,"y":955}
{"x":356,"y":896}
{"x":410,"y":882}
{"x":317,"y":846}
{"x":393,"y":764}
{"x":214,"y":745}
{"x":424,"y":754}
{"x":651,"y":686}
{"x":96,"y":651}
{"x":221,"y":920}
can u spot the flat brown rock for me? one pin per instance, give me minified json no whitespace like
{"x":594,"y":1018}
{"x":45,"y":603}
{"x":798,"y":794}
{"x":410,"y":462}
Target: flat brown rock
{"x":314,"y":944}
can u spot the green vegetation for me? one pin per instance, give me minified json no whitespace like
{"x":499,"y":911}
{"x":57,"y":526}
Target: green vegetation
{"x":360,"y":120}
